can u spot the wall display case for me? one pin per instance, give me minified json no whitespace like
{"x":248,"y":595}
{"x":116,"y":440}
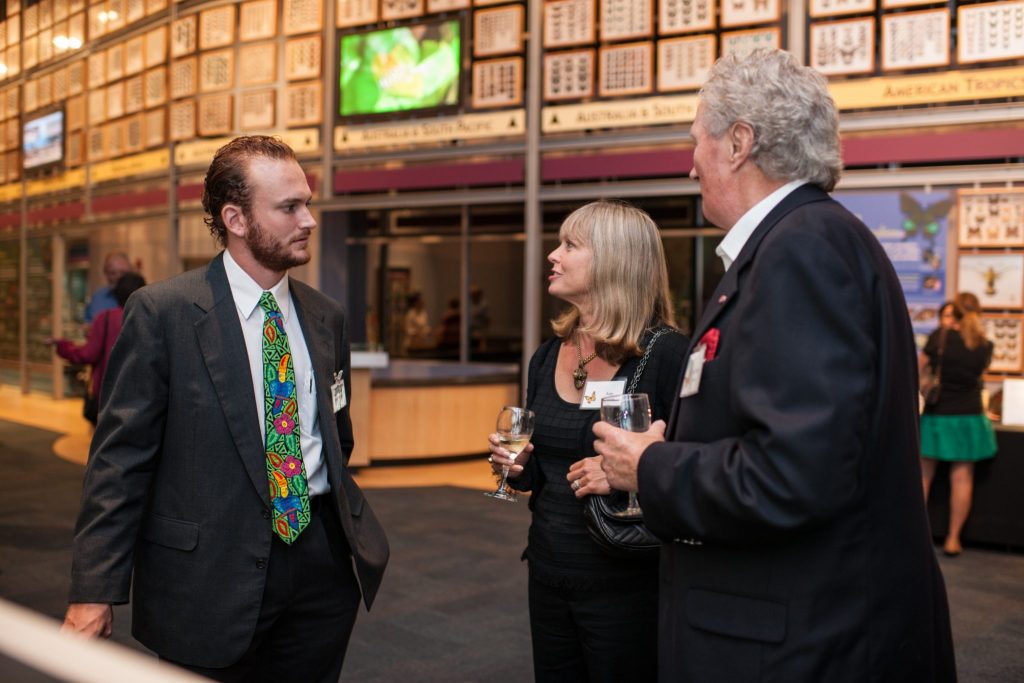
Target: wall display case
{"x":302,"y":104}
{"x":1006,"y":332}
{"x":134,"y":56}
{"x":115,"y":63}
{"x":156,"y":47}
{"x":991,"y":218}
{"x":915,"y":40}
{"x":568,"y":75}
{"x":991,"y":31}
{"x":434,"y":6}
{"x":94,"y":144}
{"x":134,"y":11}
{"x":843,"y":47}
{"x":257,"y":64}
{"x":742,"y":42}
{"x":74,"y":146}
{"x":302,"y":16}
{"x":626,"y":19}
{"x":155,"y":127}
{"x":60,"y":85}
{"x":833,"y":8}
{"x":12,"y":58}
{"x":568,"y":23}
{"x":134,"y":138}
{"x":184,"y":36}
{"x":359,"y":12}
{"x":76,"y":77}
{"x":115,"y":100}
{"x":216,"y":70}
{"x":498,"y":31}
{"x":401,"y":9}
{"x":996,"y":279}
{"x":155,"y":87}
{"x":214,"y":115}
{"x":626,"y":69}
{"x":217,"y":27}
{"x":45,"y":45}
{"x":182,"y":120}
{"x":74,"y":112}
{"x":30,"y":52}
{"x":258,"y":20}
{"x":31,"y":97}
{"x":154,"y":6}
{"x":183,"y":77}
{"x":76,"y":28}
{"x":60,"y":10}
{"x":97,"y":107}
{"x":257,"y":109}
{"x":113,"y":140}
{"x":497,"y":83}
{"x":302,"y":58}
{"x":30,"y":20}
{"x":134,"y":95}
{"x":685,"y":16}
{"x":746,"y":12}
{"x":45,"y":93}
{"x":887,"y":4}
{"x":684,"y":63}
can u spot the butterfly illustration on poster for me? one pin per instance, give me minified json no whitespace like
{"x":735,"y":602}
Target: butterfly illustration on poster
{"x":912,"y":228}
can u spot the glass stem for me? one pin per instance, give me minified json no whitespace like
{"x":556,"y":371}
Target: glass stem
{"x":633,"y":505}
{"x":504,"y":479}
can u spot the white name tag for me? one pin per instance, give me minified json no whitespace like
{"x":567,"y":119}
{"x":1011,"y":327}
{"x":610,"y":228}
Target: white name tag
{"x":338,"y":397}
{"x":593,"y":392}
{"x":694,"y":369}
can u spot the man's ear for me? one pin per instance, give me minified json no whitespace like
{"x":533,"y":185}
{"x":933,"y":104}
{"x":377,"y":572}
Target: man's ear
{"x":741,"y":142}
{"x":234,"y":220}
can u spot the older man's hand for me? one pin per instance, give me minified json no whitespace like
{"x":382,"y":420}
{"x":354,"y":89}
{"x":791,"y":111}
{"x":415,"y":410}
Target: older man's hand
{"x":621,"y":451}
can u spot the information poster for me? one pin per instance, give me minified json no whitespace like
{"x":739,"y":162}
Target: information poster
{"x":912,"y":227}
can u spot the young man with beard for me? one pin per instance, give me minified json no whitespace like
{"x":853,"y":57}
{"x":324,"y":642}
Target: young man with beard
{"x":217,"y":480}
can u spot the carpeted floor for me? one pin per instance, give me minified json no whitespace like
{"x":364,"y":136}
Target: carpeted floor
{"x":453,"y":604}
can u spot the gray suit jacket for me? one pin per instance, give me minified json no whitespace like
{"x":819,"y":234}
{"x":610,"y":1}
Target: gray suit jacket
{"x":176,"y":495}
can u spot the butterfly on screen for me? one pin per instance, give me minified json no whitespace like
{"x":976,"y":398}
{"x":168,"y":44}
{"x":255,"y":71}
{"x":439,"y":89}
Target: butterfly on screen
{"x":924,"y":221}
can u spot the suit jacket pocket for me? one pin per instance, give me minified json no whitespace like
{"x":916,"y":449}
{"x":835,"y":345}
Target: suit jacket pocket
{"x":172,"y":533}
{"x":736,"y":615}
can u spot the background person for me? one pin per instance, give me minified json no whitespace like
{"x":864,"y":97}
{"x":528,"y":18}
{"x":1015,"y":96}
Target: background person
{"x":796,"y":544}
{"x":956,"y":428}
{"x":99,"y":340}
{"x":416,"y":328}
{"x":115,"y":265}
{"x":593,"y":617}
{"x":217,"y":490}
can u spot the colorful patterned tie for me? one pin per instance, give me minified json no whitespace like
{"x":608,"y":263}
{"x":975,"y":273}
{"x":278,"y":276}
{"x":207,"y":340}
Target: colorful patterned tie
{"x":289,"y":493}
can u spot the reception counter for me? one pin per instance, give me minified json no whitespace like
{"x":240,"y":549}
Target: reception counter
{"x":420,"y":409}
{"x":997,"y":514}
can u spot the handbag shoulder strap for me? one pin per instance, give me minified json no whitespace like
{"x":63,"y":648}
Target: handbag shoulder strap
{"x":643,"y":361}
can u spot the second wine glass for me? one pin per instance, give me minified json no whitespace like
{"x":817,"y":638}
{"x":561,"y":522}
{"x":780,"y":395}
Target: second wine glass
{"x":631,"y":412}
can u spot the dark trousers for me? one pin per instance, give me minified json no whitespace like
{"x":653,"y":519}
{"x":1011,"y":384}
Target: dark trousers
{"x":594,"y":636}
{"x":309,"y":608}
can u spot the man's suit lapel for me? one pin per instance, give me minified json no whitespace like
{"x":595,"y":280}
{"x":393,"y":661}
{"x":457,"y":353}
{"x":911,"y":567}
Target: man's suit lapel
{"x":729,"y":285}
{"x":223,"y":348}
{"x":320,"y":344}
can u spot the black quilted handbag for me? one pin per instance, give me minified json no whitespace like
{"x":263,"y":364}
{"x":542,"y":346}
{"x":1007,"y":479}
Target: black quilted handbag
{"x":621,"y":536}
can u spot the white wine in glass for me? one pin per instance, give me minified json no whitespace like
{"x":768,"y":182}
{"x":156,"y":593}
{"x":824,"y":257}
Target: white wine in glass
{"x":631,"y":412}
{"x":515,"y":427}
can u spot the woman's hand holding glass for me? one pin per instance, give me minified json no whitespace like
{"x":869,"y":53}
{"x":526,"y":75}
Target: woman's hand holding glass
{"x":513,"y":432}
{"x":586,"y":477}
{"x":501,"y":457}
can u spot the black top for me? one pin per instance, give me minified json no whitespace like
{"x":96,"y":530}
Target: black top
{"x":961,"y":373}
{"x":560,"y":551}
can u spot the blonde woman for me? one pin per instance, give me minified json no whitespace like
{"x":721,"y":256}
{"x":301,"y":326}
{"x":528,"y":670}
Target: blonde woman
{"x":956,"y":429}
{"x":593,"y":617}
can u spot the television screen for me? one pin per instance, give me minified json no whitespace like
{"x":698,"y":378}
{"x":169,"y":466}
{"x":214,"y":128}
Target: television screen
{"x":400,"y":69}
{"x":42,"y":140}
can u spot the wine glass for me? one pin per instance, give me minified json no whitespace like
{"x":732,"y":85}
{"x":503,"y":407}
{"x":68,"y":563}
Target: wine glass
{"x":631,"y":412}
{"x":515,"y":427}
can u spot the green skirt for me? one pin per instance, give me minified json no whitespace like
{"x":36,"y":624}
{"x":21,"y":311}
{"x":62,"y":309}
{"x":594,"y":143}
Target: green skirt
{"x":957,"y":438}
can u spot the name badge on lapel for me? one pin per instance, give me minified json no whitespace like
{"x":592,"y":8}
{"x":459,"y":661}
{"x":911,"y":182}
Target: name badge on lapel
{"x":594,"y":391}
{"x":338,"y":397}
{"x":694,"y":369}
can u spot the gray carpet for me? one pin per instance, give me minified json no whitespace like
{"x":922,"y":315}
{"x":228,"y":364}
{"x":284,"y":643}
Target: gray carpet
{"x":453,"y":604}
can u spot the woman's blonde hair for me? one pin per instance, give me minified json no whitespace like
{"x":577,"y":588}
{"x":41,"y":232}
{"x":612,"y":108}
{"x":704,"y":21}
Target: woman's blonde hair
{"x":971,"y":329}
{"x":628,"y":279}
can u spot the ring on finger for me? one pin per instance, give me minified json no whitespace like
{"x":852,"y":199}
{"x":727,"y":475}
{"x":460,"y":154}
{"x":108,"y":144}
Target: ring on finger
{"x":490,"y":459}
{"x":576,"y":485}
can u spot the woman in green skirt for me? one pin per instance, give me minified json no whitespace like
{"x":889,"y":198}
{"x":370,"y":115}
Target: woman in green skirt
{"x":955,"y":428}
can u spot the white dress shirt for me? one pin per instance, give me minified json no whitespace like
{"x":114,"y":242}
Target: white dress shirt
{"x":730,"y":247}
{"x":247,"y":293}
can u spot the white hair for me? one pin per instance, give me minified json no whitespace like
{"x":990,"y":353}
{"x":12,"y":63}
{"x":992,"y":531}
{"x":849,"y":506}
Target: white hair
{"x":795,"y":122}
